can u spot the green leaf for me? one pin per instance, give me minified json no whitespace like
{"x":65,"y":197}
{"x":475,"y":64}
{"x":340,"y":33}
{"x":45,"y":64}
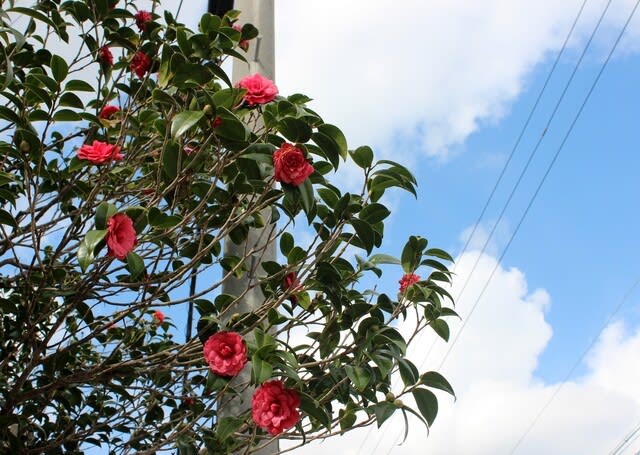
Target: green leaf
{"x":359,"y":376}
{"x":436,"y":381}
{"x":408,"y":372}
{"x":135,"y":265}
{"x":6,"y":218}
{"x":441,"y":327}
{"x":231,"y":127}
{"x":436,"y":252}
{"x":170,"y":160}
{"x":365,"y":233}
{"x":286,"y":243}
{"x":427,"y":404}
{"x":295,"y":130}
{"x":5,"y":178}
{"x":87,"y":247}
{"x":383,"y":411}
{"x":306,"y":196}
{"x":59,"y":68}
{"x":66,"y":115}
{"x":226,"y":426}
{"x":160,"y":220}
{"x":69,"y":99}
{"x":77,"y":85}
{"x":310,"y":407}
{"x":384,"y":259}
{"x":183,"y":121}
{"x":260,"y":370}
{"x":362,"y":156}
{"x":374,"y":213}
{"x":104,"y":211}
{"x":338,"y":137}
{"x":412,"y":253}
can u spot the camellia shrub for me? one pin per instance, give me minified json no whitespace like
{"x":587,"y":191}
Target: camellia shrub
{"x":129,"y":164}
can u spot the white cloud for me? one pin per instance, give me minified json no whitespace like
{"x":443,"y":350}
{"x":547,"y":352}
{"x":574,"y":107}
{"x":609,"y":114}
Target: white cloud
{"x":493,"y":368}
{"x":440,"y":69}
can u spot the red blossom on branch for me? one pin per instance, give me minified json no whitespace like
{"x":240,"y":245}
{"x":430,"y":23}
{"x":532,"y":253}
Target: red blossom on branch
{"x":140,"y":64}
{"x":121,"y":236}
{"x":99,"y":152}
{"x":142,"y":18}
{"x":290,"y":165}
{"x":274,"y":407}
{"x":407,"y":280}
{"x":226,"y":353}
{"x":260,"y":90}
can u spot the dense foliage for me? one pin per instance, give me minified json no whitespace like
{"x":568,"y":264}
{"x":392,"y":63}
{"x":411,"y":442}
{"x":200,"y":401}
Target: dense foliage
{"x":126,"y":166}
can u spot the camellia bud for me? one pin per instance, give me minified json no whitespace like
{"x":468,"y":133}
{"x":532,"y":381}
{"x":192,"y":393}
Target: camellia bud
{"x":398,"y":403}
{"x":24,"y":146}
{"x":390,"y":396}
{"x":208,"y":109}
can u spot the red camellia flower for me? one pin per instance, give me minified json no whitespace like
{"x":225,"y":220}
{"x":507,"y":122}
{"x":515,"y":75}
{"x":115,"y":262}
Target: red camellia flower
{"x":121,"y":236}
{"x":260,"y":90}
{"x":274,"y":408}
{"x":216,"y":122}
{"x":140,"y":64}
{"x":99,"y":152}
{"x":159,"y":316}
{"x":290,"y":165}
{"x":244,"y":43}
{"x":105,"y":56}
{"x":226,"y":353}
{"x":292,"y":284}
{"x":407,"y":280}
{"x":108,"y":111}
{"x":142,"y":18}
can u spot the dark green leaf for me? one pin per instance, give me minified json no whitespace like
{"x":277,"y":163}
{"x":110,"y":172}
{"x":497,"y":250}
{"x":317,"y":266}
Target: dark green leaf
{"x":286,"y":243}
{"x":260,"y":370}
{"x":359,"y":376}
{"x":59,"y":68}
{"x":104,"y":211}
{"x":441,"y":328}
{"x":427,"y":404}
{"x":437,"y":381}
{"x":66,"y":115}
{"x":363,"y":156}
{"x":135,"y":265}
{"x":383,"y":411}
{"x":408,"y":372}
{"x":77,"y":85}
{"x":310,"y":407}
{"x":374,"y":213}
{"x":6,"y":218}
{"x":226,"y":426}
{"x":306,"y":195}
{"x":338,"y":137}
{"x":183,"y":121}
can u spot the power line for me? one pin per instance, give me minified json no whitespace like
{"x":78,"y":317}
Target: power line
{"x":523,"y":217}
{"x":545,"y":175}
{"x":627,"y":440}
{"x":537,"y":146}
{"x":593,"y":341}
{"x":524,"y":170}
{"x":635,"y":284}
{"x":499,"y":180}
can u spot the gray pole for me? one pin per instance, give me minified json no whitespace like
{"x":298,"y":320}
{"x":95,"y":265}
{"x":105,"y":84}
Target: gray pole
{"x":261,"y":60}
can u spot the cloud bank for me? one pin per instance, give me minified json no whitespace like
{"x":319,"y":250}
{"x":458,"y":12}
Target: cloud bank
{"x":493,"y":368}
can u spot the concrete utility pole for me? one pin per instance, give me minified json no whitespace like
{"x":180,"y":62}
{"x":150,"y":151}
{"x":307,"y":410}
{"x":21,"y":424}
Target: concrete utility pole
{"x":261,"y":57}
